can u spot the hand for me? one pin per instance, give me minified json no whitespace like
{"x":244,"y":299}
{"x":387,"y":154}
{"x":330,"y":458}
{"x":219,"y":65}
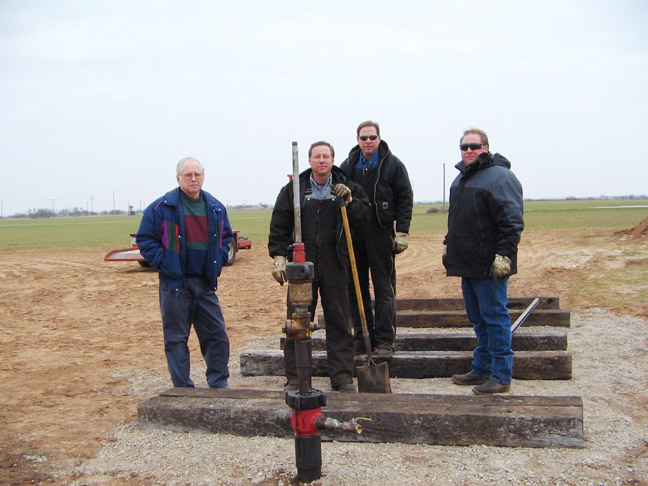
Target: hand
{"x":343,"y":192}
{"x":445,"y":250}
{"x":501,"y":267}
{"x":400,"y":242}
{"x":279,"y":269}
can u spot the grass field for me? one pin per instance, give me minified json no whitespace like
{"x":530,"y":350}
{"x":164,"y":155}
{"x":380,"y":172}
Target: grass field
{"x":110,"y":232}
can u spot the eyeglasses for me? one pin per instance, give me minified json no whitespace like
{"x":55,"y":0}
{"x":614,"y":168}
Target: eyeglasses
{"x":370,"y":137}
{"x":471,"y":146}
{"x":192,"y":175}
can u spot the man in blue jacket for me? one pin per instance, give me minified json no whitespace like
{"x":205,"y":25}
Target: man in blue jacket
{"x":484,"y":227}
{"x":185,"y":235}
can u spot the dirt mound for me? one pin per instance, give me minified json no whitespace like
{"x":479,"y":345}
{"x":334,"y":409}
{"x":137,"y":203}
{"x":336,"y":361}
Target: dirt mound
{"x":638,"y":232}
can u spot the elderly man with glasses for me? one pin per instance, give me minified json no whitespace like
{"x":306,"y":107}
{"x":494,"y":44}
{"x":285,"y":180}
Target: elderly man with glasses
{"x":385,"y":180}
{"x":484,"y":227}
{"x":185,"y":234}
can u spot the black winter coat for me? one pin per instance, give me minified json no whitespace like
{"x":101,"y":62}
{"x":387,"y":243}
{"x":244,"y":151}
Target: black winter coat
{"x":485,"y":217}
{"x":282,"y":223}
{"x":391,"y":193}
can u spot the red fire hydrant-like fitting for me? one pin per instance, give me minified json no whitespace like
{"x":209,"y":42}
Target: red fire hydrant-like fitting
{"x":306,"y":422}
{"x":305,"y":402}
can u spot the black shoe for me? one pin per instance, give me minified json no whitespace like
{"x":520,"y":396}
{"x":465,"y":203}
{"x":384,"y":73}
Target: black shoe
{"x":345,"y":388}
{"x":469,"y":378}
{"x":491,"y":387}
{"x":385,"y":351}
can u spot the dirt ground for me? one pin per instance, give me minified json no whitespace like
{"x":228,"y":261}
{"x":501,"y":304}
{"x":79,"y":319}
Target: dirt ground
{"x":72,"y":324}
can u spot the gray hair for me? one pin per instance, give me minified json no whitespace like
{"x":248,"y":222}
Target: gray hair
{"x":187,"y":159}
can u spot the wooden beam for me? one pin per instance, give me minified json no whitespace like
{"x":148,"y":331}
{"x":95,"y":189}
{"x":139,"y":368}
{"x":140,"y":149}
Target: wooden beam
{"x":458,"y":318}
{"x":527,"y":365}
{"x":458,"y":303}
{"x":504,"y":420}
{"x":523,"y":340}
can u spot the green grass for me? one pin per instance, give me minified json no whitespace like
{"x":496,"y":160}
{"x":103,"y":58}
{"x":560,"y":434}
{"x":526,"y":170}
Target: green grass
{"x":110,"y":232}
{"x":574,"y":215}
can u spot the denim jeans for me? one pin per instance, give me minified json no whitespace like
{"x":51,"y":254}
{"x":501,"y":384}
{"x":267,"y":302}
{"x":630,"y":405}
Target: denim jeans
{"x":486,"y":306}
{"x":196,"y":304}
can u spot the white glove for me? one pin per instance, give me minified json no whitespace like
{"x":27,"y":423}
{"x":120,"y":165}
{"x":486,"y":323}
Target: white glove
{"x":400,"y":242}
{"x":279,"y":269}
{"x":343,"y":192}
{"x":501,"y":267}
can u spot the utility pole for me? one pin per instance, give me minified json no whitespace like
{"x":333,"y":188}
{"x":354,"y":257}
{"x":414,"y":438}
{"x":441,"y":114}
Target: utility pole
{"x":114,"y":207}
{"x":444,"y":207}
{"x":91,"y":204}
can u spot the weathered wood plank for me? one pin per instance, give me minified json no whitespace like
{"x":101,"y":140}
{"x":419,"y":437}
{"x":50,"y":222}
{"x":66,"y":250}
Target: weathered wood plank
{"x":458,"y":303}
{"x":458,"y":318}
{"x":527,"y":365}
{"x":506,"y":420}
{"x":523,"y":340}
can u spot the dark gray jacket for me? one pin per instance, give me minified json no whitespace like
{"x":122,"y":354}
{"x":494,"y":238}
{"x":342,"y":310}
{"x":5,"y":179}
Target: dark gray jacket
{"x":485,"y":217}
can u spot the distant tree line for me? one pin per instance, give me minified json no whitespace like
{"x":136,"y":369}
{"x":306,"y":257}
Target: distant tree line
{"x":48,"y":213}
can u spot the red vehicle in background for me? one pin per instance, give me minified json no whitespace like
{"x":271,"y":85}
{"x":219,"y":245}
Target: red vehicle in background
{"x":133,"y":254}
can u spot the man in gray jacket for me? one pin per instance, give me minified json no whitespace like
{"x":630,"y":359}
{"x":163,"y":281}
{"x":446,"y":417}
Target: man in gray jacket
{"x":484,"y":227}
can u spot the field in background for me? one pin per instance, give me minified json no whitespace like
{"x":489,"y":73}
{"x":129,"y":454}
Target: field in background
{"x":110,"y":232}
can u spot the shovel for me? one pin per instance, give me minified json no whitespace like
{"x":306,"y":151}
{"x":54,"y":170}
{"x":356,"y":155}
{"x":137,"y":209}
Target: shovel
{"x":372,"y":377}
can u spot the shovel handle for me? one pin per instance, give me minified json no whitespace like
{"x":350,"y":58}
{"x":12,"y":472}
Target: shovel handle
{"x":356,"y":281}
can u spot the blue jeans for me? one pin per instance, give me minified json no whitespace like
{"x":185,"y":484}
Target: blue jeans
{"x":196,"y":304}
{"x":486,"y":306}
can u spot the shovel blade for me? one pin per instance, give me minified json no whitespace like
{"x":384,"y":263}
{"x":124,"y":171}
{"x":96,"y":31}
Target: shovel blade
{"x":373,"y":378}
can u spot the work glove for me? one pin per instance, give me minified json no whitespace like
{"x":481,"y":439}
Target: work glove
{"x":343,"y":192}
{"x":400,"y":242}
{"x":501,"y":267}
{"x":279,"y":269}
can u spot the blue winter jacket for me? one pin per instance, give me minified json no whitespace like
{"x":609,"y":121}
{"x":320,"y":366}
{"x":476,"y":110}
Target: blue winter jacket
{"x":161,"y":235}
{"x":485,"y":217}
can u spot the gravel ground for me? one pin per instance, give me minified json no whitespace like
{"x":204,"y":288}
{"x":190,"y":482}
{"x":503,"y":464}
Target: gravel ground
{"x":610,"y":372}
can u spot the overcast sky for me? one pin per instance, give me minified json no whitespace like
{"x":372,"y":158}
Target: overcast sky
{"x":104,"y":97}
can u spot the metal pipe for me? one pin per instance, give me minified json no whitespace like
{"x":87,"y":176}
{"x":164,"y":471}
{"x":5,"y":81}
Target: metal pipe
{"x":296,"y":196}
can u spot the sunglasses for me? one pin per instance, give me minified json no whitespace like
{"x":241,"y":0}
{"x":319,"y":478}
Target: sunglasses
{"x":370,"y":137}
{"x":471,"y":146}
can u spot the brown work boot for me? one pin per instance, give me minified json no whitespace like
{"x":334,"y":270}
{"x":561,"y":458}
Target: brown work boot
{"x":491,"y":387}
{"x":469,"y":378}
{"x":345,"y":388}
{"x":384,"y":351}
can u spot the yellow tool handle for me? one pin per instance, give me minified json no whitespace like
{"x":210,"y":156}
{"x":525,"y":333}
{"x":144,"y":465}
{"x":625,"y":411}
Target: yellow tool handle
{"x":356,"y":280}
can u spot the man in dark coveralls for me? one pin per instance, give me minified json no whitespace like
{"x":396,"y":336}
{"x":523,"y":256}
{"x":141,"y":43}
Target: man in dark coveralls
{"x":321,"y":189}
{"x":385,"y":180}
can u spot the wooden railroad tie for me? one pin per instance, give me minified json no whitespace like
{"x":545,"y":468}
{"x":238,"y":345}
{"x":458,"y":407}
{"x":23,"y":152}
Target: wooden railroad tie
{"x":502,"y":420}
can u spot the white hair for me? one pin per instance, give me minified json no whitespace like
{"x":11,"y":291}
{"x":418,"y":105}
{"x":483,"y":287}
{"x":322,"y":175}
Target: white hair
{"x":187,"y":159}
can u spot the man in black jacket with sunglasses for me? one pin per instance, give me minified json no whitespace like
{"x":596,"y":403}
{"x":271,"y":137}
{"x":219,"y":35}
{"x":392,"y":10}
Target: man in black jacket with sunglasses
{"x":484,"y":226}
{"x":385,"y":180}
